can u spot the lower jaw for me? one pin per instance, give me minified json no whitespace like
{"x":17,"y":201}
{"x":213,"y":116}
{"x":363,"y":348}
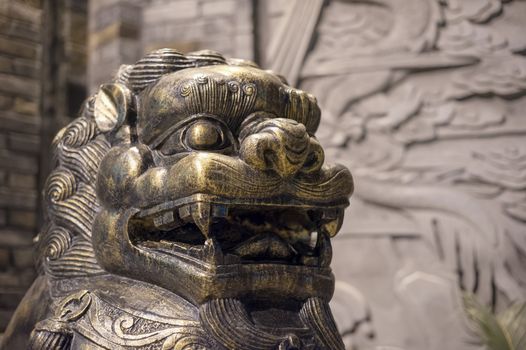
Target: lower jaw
{"x":200,"y":282}
{"x":269,"y":281}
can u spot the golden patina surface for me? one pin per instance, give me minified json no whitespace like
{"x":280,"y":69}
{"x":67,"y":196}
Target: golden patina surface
{"x":190,"y":208}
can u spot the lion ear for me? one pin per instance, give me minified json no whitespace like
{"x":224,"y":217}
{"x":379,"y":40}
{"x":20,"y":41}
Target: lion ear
{"x":112,"y":104}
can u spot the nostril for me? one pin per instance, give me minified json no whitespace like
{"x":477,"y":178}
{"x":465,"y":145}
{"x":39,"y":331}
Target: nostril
{"x":311,"y":161}
{"x":270,"y":158}
{"x":315,"y":158}
{"x":280,"y":145}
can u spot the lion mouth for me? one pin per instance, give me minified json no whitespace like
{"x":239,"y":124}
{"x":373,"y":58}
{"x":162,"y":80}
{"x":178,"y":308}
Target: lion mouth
{"x":220,"y":232}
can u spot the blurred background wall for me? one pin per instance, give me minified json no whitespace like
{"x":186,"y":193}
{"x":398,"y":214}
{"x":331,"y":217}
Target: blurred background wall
{"x":423,"y":99}
{"x":42,"y":83}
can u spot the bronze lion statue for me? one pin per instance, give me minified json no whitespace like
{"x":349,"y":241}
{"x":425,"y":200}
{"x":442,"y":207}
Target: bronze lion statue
{"x":189,"y":208}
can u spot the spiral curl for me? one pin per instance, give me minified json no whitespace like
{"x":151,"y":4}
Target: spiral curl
{"x":60,"y":185}
{"x":57,"y":243}
{"x":249,"y":89}
{"x":78,"y":133}
{"x":233,"y":86}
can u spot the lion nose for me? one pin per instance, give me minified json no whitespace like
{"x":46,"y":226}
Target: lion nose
{"x":281,"y":145}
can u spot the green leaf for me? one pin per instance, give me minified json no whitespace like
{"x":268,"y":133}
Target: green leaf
{"x":506,"y":331}
{"x":513,"y":320}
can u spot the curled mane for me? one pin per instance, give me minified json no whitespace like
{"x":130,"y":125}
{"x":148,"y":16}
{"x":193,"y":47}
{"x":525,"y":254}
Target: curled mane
{"x":64,"y":248}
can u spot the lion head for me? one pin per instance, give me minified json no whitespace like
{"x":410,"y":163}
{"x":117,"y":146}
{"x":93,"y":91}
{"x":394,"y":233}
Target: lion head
{"x":203,"y":176}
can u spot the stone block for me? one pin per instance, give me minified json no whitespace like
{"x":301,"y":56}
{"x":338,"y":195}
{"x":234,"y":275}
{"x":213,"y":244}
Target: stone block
{"x":4,"y":258}
{"x":24,"y":11}
{"x":24,"y":181}
{"x":23,"y":257}
{"x":19,"y":85}
{"x":18,"y":48}
{"x":24,"y":219}
{"x":10,"y":121}
{"x":114,"y":31}
{"x":78,"y":28}
{"x":217,"y":8}
{"x":27,"y":68}
{"x":130,"y":13}
{"x":6,"y":65}
{"x":20,"y":29}
{"x":17,"y":162}
{"x":6,"y":102}
{"x":170,"y":11}
{"x":16,"y":199}
{"x":3,"y":143}
{"x":77,"y":72}
{"x":24,"y":142}
{"x":19,"y":66}
{"x":25,"y":106}
{"x":15,"y":238}
{"x":104,"y":14}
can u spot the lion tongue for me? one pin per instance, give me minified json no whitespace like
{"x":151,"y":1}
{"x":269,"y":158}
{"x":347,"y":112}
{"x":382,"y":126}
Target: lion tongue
{"x":264,"y":246}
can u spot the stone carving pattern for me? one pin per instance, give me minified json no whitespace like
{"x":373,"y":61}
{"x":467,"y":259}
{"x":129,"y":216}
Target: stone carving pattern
{"x":425,"y":103}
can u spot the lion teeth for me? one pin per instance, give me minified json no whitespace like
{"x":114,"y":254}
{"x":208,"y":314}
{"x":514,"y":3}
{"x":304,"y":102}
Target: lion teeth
{"x":200,"y":213}
{"x":309,"y":260}
{"x":185,"y":212}
{"x":219,"y":211}
{"x":163,"y":219}
{"x":332,"y":222}
{"x":330,"y":228}
{"x":201,"y":217}
{"x":313,"y":239}
{"x":212,"y":252}
{"x":325,"y":251}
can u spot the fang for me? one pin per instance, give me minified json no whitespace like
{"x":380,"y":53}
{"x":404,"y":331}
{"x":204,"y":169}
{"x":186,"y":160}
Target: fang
{"x":201,"y":217}
{"x":331,"y":226}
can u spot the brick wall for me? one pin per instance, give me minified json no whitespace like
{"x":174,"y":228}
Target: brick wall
{"x":42,"y":83}
{"x":222,"y":25}
{"x":122,"y":31}
{"x":114,"y":37}
{"x":20,"y":125}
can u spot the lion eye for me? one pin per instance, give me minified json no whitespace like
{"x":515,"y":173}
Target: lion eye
{"x":200,"y":135}
{"x":204,"y":135}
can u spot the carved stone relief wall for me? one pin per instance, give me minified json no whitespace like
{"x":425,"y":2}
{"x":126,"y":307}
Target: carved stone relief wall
{"x":424,"y":100}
